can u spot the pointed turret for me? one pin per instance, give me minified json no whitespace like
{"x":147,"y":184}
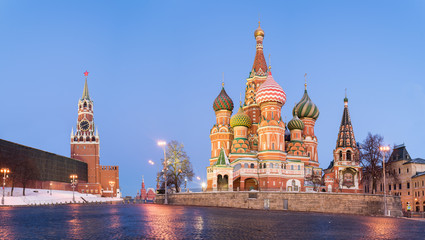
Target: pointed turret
{"x":222,"y":159}
{"x":260,"y":67}
{"x":346,"y":134}
{"x":86,"y":88}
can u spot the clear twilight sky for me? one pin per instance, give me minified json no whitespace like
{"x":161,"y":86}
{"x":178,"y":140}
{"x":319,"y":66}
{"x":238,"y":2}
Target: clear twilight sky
{"x":156,"y":68}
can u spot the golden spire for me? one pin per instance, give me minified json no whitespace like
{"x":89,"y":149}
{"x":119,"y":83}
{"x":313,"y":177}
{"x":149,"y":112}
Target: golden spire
{"x":259,"y":31}
{"x":270,"y":62}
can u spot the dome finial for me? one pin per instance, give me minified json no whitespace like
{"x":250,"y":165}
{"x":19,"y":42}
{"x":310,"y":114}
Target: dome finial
{"x":345,"y":99}
{"x":305,"y":81}
{"x":222,"y":80}
{"x":270,"y":62}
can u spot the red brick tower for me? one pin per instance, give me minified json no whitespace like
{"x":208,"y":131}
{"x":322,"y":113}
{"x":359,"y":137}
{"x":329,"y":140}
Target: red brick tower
{"x":344,"y":173}
{"x":85,"y":141}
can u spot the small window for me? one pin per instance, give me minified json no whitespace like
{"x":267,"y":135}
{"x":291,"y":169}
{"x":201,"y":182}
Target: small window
{"x":399,"y":171}
{"x":299,"y":167}
{"x":395,"y":186}
{"x":252,"y":165}
{"x":389,"y":187}
{"x":408,"y":185}
{"x":399,"y":186}
{"x":265,"y":166}
{"x":245,"y":165}
{"x":407,"y":170}
{"x":292,"y":167}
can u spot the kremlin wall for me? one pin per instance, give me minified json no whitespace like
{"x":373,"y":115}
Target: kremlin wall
{"x":43,"y":170}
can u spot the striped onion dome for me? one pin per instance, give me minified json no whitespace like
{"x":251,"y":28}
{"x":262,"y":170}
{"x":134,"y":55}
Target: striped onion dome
{"x":223,"y":102}
{"x":295,"y":123}
{"x":306,"y":108}
{"x":240,"y":119}
{"x":270,"y":91}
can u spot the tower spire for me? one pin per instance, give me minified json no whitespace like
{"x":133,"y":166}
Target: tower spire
{"x":346,"y":133}
{"x":86,"y":88}
{"x":260,"y":66}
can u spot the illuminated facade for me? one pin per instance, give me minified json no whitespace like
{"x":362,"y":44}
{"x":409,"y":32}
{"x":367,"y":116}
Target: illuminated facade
{"x":254,"y":149}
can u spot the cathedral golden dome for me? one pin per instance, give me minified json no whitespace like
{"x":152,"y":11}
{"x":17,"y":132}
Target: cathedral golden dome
{"x":259,"y":31}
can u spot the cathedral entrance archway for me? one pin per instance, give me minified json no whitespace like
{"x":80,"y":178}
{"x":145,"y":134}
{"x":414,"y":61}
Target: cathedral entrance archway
{"x":237,"y":184}
{"x":251,"y":184}
{"x":222,"y":182}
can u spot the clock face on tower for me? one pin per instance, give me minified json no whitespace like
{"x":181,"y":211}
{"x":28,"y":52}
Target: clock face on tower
{"x":84,"y":125}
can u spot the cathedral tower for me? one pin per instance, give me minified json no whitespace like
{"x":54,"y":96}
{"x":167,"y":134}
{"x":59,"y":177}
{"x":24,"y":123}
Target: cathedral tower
{"x":256,"y":77}
{"x":344,"y":173}
{"x":308,"y":112}
{"x":271,"y":131}
{"x":221,"y":134}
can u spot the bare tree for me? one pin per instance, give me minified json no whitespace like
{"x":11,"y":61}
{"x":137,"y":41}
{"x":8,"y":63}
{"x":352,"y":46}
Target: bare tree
{"x":178,"y":166}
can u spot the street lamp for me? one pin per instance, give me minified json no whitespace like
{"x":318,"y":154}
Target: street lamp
{"x":4,"y":171}
{"x":50,"y":188}
{"x":383,"y":150}
{"x":74,"y":182}
{"x":185,"y":184}
{"x":163,"y":144}
{"x":203,"y":185}
{"x":112,"y":183}
{"x":87,"y":190}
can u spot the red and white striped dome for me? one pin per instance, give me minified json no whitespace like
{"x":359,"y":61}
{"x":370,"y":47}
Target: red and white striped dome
{"x":270,"y":91}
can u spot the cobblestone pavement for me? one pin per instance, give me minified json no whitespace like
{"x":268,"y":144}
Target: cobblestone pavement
{"x":152,"y":221}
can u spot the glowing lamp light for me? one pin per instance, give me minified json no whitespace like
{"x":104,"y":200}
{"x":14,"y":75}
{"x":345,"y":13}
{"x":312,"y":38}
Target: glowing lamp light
{"x":203,"y":185}
{"x":384,"y":148}
{"x":151,"y":162}
{"x":162,"y":143}
{"x":199,"y":178}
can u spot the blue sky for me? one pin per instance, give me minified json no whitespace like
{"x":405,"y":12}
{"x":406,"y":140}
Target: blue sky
{"x":156,"y":66}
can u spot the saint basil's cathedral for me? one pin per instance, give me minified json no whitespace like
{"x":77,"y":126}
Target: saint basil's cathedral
{"x":255,"y":150}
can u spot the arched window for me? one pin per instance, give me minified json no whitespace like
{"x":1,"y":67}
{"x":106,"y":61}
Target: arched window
{"x":252,"y":165}
{"x":276,"y":165}
{"x":90,"y":106}
{"x":245,"y":165}
{"x":299,"y":167}
{"x":340,"y":155}
{"x":264,"y":166}
{"x":348,"y":155}
{"x":85,"y":104}
{"x":292,"y":167}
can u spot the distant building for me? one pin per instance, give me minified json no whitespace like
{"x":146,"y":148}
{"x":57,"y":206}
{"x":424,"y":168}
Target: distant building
{"x":344,"y":173}
{"x":409,"y":181}
{"x":85,"y":143}
{"x":147,"y":196}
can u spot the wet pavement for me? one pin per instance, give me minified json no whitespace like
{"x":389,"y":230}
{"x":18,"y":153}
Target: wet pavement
{"x":151,"y":221}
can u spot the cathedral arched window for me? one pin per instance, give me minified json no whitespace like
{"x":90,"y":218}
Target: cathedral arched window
{"x":264,"y":166}
{"x":245,"y":165}
{"x":340,"y":155}
{"x":85,"y":104}
{"x":299,"y":167}
{"x":252,"y":165}
{"x":348,"y":155}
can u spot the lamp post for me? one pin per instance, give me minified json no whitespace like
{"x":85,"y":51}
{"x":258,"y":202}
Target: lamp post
{"x":87,"y":190}
{"x":162,"y":144}
{"x":4,"y":171}
{"x":112,"y":183}
{"x":74,"y":182}
{"x":185,"y":184}
{"x":383,"y":150}
{"x":50,"y":188}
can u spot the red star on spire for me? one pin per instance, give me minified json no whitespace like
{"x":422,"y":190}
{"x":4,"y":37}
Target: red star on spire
{"x":86,"y":73}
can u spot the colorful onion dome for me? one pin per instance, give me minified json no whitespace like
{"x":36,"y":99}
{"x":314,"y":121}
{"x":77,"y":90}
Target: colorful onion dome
{"x":270,"y":91}
{"x":306,"y":108}
{"x":295,"y":123}
{"x":223,"y":102}
{"x":259,"y":31}
{"x":240,"y":119}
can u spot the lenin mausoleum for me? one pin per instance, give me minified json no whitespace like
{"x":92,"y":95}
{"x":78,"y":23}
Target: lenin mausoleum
{"x":34,"y":168}
{"x":255,"y":150}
